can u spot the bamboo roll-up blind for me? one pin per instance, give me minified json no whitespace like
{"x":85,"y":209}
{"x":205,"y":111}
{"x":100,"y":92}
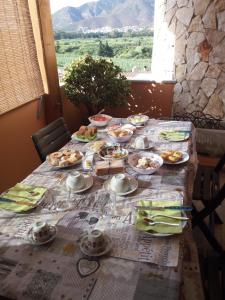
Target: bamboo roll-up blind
{"x":20,"y":77}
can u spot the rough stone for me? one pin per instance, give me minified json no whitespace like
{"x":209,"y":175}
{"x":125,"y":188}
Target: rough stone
{"x":209,"y":19}
{"x":217,"y":54}
{"x":199,"y":71}
{"x":184,"y":98}
{"x":196,"y":25}
{"x":169,"y":15}
{"x":170,"y":4}
{"x":200,"y":6}
{"x":214,"y":37}
{"x":192,"y":57}
{"x":208,"y":86}
{"x":172,"y":27}
{"x":181,"y":3}
{"x":219,"y":5}
{"x":185,"y":86}
{"x":222,"y":96}
{"x":178,"y":88}
{"x":195,"y":39}
{"x":202,"y":99}
{"x":221,"y":20}
{"x":194,"y":87}
{"x":204,"y":48}
{"x":180,"y":47}
{"x":184,"y":15}
{"x":180,"y":29}
{"x":215,"y":107}
{"x":213,"y":71}
{"x":191,"y":107}
{"x":181,"y":72}
{"x":220,"y":83}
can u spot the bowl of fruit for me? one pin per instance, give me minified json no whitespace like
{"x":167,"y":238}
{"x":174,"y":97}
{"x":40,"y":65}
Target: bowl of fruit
{"x":85,"y":134}
{"x":138,"y":120}
{"x":100,"y":120}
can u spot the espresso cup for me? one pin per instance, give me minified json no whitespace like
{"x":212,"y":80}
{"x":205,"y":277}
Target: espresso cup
{"x":141,"y":142}
{"x":95,"y":242}
{"x":41,"y":231}
{"x":75,"y":181}
{"x":120,"y":183}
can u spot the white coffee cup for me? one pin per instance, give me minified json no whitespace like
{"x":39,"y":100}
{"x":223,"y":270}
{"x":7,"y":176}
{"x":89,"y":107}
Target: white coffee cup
{"x":120,"y":183}
{"x":75,"y":181}
{"x":141,"y":142}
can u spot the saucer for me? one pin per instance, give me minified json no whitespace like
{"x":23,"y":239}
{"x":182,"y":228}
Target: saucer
{"x":52,"y":236}
{"x":133,"y":186}
{"x":88,"y":184}
{"x":106,"y":250}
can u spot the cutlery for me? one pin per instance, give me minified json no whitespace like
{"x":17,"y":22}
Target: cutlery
{"x":153,"y":223}
{"x":169,"y":217}
{"x":184,"y":208}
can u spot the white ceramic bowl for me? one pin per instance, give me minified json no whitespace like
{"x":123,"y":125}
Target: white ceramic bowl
{"x":133,"y":159}
{"x":138,"y":119}
{"x":121,"y":139}
{"x":100,"y":123}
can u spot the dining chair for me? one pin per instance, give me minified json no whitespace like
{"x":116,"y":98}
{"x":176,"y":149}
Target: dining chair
{"x":51,"y":138}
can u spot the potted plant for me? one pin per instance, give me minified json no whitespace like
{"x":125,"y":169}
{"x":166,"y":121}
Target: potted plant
{"x":96,"y":83}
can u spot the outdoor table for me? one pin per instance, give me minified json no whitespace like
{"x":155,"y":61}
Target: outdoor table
{"x":138,"y":267}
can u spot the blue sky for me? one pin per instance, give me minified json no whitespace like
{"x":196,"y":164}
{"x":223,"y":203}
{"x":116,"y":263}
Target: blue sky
{"x":57,"y":4}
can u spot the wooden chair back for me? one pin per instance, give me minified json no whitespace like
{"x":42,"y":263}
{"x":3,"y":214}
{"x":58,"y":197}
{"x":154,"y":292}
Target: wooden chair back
{"x":51,"y":138}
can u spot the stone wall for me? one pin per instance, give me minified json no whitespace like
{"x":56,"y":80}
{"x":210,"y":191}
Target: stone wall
{"x":199,"y":29}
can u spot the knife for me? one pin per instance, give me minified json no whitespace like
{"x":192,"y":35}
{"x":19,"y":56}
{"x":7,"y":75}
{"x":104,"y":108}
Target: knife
{"x":184,"y":208}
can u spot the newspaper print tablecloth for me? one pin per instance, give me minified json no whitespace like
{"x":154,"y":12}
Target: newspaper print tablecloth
{"x":59,"y":270}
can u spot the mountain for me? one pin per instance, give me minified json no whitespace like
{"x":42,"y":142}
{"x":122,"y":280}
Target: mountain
{"x":105,"y":13}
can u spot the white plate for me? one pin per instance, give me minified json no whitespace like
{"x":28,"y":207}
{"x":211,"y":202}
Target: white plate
{"x":109,"y":158}
{"x":151,"y":145}
{"x":133,"y":186}
{"x":76,"y":138}
{"x":183,"y":160}
{"x":107,"y":249}
{"x":184,"y":223}
{"x":121,"y":139}
{"x":37,"y":243}
{"x":63,"y":167}
{"x":186,"y":137}
{"x":88,"y":184}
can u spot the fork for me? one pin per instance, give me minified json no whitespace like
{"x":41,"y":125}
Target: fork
{"x":169,"y":217}
{"x":152,"y":223}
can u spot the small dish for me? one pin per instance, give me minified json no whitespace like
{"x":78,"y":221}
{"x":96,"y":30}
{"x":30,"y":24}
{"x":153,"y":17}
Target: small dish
{"x":138,"y":119}
{"x":107,"y":247}
{"x":52,"y":235}
{"x":61,"y":160}
{"x":83,"y":140}
{"x":133,"y":185}
{"x":100,"y":120}
{"x":154,"y":158}
{"x":113,"y":152}
{"x":120,"y":135}
{"x":88,"y":184}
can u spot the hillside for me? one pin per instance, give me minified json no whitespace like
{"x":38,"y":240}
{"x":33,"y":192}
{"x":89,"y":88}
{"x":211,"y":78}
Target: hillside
{"x":105,"y":13}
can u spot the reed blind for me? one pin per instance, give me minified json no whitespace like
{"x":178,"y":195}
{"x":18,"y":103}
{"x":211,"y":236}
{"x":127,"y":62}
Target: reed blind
{"x":20,"y":77}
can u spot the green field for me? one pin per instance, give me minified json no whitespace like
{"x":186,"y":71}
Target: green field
{"x":127,"y":52}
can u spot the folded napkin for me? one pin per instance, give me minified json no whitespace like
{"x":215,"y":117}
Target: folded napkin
{"x":176,"y":134}
{"x":21,"y":197}
{"x":141,"y":214}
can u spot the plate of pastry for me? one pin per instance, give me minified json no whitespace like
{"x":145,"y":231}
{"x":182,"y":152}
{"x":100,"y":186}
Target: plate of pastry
{"x":85,"y":134}
{"x":64,"y":158}
{"x":172,"y":157}
{"x":120,"y":135}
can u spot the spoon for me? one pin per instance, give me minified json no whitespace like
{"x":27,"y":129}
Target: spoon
{"x":170,"y":217}
{"x":152,"y":223}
